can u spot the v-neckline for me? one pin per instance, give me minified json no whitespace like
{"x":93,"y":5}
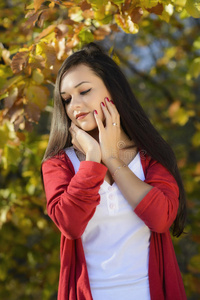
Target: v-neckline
{"x":108,"y":184}
{"x":114,"y":183}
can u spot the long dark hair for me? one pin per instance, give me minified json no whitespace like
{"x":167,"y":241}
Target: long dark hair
{"x":134,"y":121}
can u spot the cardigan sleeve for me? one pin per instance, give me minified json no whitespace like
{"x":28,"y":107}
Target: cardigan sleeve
{"x":158,"y":209}
{"x":72,"y":198}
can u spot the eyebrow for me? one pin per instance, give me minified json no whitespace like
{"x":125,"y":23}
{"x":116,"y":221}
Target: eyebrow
{"x":76,"y":86}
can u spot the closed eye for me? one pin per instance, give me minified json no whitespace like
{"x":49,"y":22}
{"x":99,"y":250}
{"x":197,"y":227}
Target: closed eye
{"x":66,"y":101}
{"x":85,"y":92}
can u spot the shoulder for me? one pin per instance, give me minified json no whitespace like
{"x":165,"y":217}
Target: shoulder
{"x":156,"y":174}
{"x":146,"y":160}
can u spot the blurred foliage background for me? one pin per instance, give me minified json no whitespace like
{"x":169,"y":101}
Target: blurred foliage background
{"x":157,"y":44}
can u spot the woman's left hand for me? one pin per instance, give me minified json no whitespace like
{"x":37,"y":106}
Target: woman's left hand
{"x":109,"y":135}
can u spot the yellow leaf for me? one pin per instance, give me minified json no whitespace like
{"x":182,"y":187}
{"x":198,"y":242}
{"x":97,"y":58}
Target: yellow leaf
{"x":75,"y":14}
{"x":180,"y":116}
{"x":196,"y":139}
{"x":47,"y":51}
{"x":126,"y":24}
{"x":52,"y":4}
{"x":148,"y":3}
{"x":38,"y":76}
{"x":196,"y":43}
{"x":38,"y":95}
{"x":37,"y":4}
{"x":193,"y":8}
{"x":179,"y":2}
{"x":194,"y":70}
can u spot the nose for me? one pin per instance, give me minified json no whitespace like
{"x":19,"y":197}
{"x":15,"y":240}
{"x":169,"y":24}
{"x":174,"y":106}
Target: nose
{"x":76,"y":102}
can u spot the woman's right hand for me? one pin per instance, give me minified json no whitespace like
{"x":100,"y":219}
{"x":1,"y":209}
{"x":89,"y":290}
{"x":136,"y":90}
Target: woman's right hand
{"x":85,"y":143}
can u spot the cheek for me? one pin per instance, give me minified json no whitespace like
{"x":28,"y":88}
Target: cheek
{"x":69,"y":114}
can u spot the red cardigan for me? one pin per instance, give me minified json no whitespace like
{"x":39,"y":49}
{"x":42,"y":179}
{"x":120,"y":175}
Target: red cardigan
{"x":71,"y":203}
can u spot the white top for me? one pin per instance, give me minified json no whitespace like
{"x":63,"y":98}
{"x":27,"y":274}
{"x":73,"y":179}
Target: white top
{"x":116,"y":243}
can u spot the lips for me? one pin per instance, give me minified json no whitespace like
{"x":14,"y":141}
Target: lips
{"x":81,"y":116}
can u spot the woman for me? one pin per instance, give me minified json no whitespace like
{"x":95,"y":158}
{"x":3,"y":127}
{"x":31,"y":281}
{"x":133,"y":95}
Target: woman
{"x":112,"y":186}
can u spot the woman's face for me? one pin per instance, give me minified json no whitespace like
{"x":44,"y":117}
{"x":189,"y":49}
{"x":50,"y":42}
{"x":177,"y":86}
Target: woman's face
{"x":83,"y":91}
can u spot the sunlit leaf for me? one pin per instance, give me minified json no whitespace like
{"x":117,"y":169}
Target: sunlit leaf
{"x":45,"y":32}
{"x":3,"y":95}
{"x":37,"y":4}
{"x":148,"y":3}
{"x":37,"y":61}
{"x":48,"y":52}
{"x":86,"y":36}
{"x":126,"y":24}
{"x":75,"y":14}
{"x":193,"y":8}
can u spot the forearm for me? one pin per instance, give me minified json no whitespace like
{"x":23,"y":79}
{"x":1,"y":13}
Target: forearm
{"x":72,"y":198}
{"x":132,"y":188}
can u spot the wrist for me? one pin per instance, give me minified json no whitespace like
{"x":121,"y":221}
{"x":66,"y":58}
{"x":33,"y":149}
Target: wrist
{"x":112,"y":161}
{"x":93,"y":156}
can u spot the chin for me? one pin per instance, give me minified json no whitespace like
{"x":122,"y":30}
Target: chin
{"x":88,"y":127}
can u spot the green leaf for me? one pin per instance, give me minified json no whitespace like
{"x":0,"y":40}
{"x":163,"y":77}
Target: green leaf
{"x":196,"y":139}
{"x":196,"y":44}
{"x":85,"y":36}
{"x":4,"y":95}
{"x":194,"y":69}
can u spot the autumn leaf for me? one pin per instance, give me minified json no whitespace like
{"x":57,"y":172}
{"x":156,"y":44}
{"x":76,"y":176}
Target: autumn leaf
{"x":37,"y":4}
{"x":148,"y":3}
{"x":86,"y":36}
{"x":158,"y":9}
{"x":85,"y":5}
{"x":61,"y":31}
{"x":136,"y":14}
{"x":37,"y":94}
{"x":126,"y":24}
{"x":193,"y":8}
{"x":36,"y":61}
{"x":32,"y":112}
{"x":47,"y":51}
{"x":12,"y":96}
{"x":19,"y":61}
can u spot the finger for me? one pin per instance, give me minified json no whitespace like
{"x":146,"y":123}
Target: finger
{"x":111,"y":106}
{"x":113,"y":111}
{"x":98,"y":121}
{"x":73,"y":126}
{"x":106,"y":113}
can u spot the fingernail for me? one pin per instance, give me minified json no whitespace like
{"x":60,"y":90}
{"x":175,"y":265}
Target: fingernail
{"x":103,"y":103}
{"x":95,"y":112}
{"x":111,"y":101}
{"x":107,"y":99}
